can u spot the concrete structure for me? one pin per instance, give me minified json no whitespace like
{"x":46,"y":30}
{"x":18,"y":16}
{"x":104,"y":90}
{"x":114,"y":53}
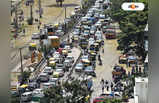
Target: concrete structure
{"x":141,"y":90}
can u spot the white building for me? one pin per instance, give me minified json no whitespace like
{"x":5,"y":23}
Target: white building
{"x":141,"y":90}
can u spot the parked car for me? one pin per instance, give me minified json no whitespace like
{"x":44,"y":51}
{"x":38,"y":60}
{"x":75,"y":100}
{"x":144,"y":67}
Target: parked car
{"x":48,"y":70}
{"x":79,"y":67}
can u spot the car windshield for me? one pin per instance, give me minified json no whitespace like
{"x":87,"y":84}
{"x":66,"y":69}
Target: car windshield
{"x":79,"y":65}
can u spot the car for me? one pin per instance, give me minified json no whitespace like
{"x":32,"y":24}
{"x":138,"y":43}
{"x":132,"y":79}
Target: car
{"x":91,"y":41}
{"x":79,"y":67}
{"x":98,"y":24}
{"x":60,"y":66}
{"x":84,"y":57}
{"x":35,"y":36}
{"x":71,"y":58}
{"x":43,"y":77}
{"x":89,"y":70}
{"x":86,"y":33}
{"x":67,"y":63}
{"x":102,"y":16}
{"x":26,"y":97}
{"x":46,"y":85}
{"x":60,"y":71}
{"x":59,"y":33}
{"x":99,"y":99}
{"x":76,"y":32}
{"x":48,"y":70}
{"x":122,"y":59}
{"x":53,"y":80}
{"x":32,"y":85}
{"x":68,"y":48}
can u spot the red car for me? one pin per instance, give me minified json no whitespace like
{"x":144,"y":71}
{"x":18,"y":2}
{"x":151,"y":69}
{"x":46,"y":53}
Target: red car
{"x":98,"y":99}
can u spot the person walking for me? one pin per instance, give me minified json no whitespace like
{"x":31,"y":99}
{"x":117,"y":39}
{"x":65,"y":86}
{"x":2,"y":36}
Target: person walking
{"x":102,"y":88}
{"x":102,"y":50}
{"x":107,"y":87}
{"x":102,"y":81}
{"x":106,"y":82}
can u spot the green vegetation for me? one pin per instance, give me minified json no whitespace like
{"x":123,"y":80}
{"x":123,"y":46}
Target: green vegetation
{"x":75,"y":92}
{"x":132,"y":24}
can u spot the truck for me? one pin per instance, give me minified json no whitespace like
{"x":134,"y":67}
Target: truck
{"x":54,"y":41}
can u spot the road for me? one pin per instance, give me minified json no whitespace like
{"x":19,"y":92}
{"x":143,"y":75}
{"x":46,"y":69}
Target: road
{"x":109,"y":59}
{"x":51,"y":14}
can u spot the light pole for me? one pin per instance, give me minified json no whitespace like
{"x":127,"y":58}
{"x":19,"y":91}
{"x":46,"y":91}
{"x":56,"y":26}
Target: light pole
{"x":16,"y":21}
{"x":40,"y":9}
{"x":21,"y":60}
{"x":65,"y":19}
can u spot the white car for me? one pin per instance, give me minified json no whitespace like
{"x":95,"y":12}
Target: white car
{"x":53,"y":81}
{"x":46,"y":85}
{"x":48,"y":70}
{"x":68,"y":48}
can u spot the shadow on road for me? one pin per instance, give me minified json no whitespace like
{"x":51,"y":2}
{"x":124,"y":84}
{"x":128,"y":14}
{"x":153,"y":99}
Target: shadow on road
{"x":64,"y":5}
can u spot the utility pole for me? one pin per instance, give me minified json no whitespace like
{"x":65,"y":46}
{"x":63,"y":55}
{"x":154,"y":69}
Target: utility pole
{"x":31,"y":13}
{"x":21,"y":60}
{"x":40,"y":9}
{"x":65,"y":19}
{"x":16,"y":20}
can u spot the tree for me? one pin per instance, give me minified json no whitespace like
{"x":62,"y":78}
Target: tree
{"x":132,"y":24}
{"x":68,"y":92}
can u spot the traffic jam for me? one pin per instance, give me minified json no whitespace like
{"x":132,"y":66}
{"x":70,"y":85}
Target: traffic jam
{"x":74,"y":54}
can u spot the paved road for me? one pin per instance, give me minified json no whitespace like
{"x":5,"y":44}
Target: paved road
{"x":109,"y":58}
{"x":51,"y":12}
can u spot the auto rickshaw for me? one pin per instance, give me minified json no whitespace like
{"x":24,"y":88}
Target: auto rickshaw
{"x":99,"y":42}
{"x":32,"y":46}
{"x":56,"y":75}
{"x":52,"y":64}
{"x":96,"y":45}
{"x":86,"y":63}
{"x":22,"y":88}
{"x":92,"y":56}
{"x":65,"y":52}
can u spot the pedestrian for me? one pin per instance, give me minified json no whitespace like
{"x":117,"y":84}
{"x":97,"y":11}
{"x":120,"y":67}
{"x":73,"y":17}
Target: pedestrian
{"x":103,"y":50}
{"x":102,"y":88}
{"x":112,"y":85}
{"x":102,"y":81}
{"x":24,"y":31}
{"x":99,"y":57}
{"x":107,"y":88}
{"x":106,"y":82}
{"x":38,"y":27}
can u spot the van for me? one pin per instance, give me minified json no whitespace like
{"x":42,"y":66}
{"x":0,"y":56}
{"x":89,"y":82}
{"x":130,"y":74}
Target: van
{"x":27,"y":96}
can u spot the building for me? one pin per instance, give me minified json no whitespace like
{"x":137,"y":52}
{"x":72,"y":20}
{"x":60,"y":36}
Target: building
{"x":141,"y":90}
